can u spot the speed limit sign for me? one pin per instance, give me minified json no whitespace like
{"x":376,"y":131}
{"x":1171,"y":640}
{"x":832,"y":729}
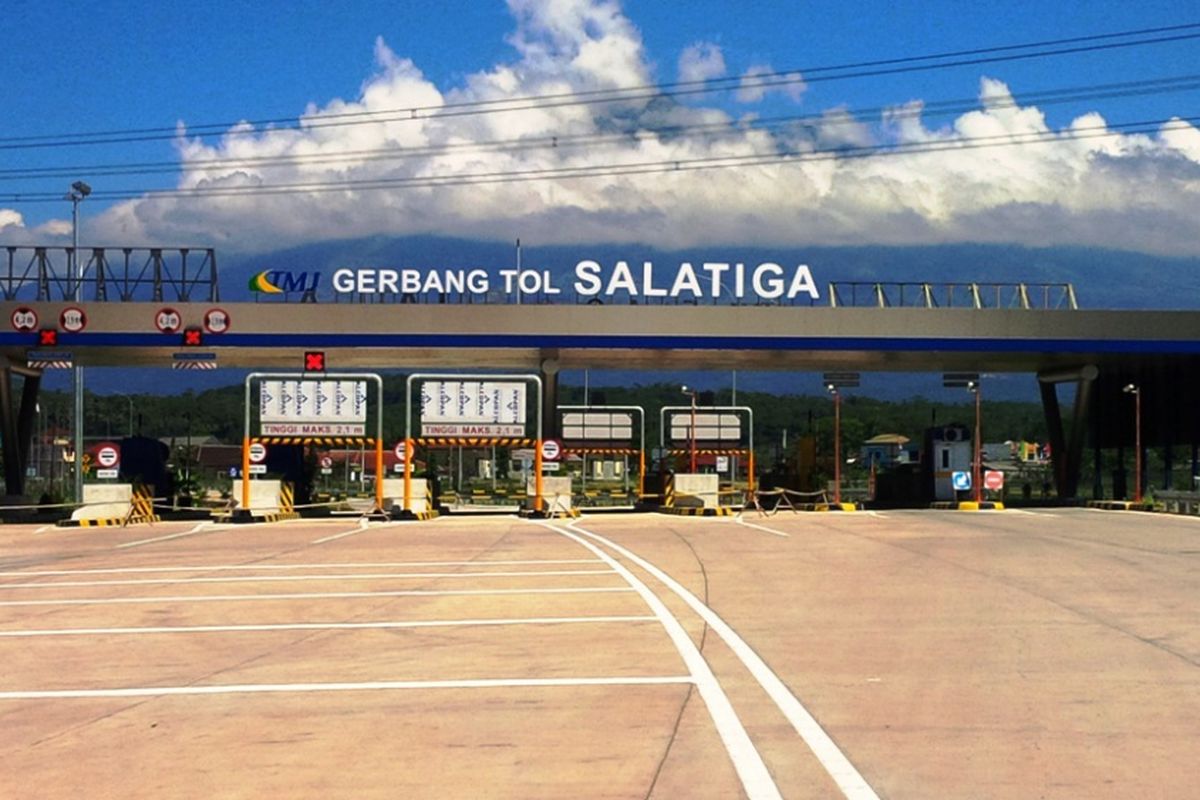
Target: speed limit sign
{"x":167,"y":320}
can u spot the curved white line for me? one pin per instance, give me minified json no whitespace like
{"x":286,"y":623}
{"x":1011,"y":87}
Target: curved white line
{"x":756,"y":779}
{"x":835,"y":762}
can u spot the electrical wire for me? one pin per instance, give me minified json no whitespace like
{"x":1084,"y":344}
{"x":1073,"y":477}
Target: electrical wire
{"x":564,"y":141}
{"x":1080,"y":44}
{"x":633,"y":168}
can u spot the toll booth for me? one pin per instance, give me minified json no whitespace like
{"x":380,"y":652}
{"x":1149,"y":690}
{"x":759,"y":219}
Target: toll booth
{"x":947,"y":449}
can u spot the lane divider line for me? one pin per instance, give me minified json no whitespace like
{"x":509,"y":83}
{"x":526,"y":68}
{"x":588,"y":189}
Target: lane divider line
{"x":203,"y":527}
{"x":747,"y":761}
{"x":333,"y":565}
{"x":255,"y":688}
{"x":321,"y":626}
{"x":762,"y":528}
{"x":351,"y":576}
{"x":230,"y":598}
{"x":835,"y":762}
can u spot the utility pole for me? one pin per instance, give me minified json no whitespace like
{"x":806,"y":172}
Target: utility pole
{"x":79,"y":190}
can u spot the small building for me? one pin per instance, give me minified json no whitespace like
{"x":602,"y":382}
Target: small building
{"x":888,"y":450}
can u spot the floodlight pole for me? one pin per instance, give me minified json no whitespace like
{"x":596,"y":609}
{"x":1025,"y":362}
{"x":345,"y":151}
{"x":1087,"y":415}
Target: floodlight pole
{"x":79,"y":190}
{"x":1136,"y":391}
{"x":978,"y":476}
{"x":837,"y":443}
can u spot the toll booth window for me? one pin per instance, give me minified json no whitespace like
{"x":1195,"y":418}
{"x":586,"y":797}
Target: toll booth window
{"x":945,"y":458}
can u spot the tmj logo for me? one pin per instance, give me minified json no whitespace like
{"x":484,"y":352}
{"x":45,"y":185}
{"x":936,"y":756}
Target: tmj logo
{"x":277,"y":281}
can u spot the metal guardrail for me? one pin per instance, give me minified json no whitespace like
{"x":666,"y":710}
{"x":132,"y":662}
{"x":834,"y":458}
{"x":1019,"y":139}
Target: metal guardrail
{"x":1176,"y":502}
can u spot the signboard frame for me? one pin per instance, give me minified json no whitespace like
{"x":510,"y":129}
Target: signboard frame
{"x":536,"y":380}
{"x":641,"y":428}
{"x":363,"y":376}
{"x":747,"y":410}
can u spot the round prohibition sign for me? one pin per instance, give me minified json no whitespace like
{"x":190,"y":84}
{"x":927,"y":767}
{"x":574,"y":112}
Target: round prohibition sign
{"x":326,"y":462}
{"x":399,"y":451}
{"x":167,"y":320}
{"x":24,"y":319}
{"x":258,"y":453}
{"x":216,"y":320}
{"x":108,"y":456}
{"x":551,"y":450}
{"x":72,"y":319}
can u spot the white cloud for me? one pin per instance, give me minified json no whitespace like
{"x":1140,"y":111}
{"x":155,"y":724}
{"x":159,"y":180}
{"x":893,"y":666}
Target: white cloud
{"x":11,"y":219}
{"x":701,"y":61}
{"x":759,"y":80}
{"x":1075,"y":188}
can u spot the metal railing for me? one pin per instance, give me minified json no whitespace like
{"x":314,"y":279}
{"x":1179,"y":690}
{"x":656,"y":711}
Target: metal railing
{"x":110,"y":274}
{"x":894,"y":294}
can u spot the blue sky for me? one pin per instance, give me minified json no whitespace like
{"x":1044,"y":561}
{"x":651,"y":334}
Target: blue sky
{"x":99,"y":66}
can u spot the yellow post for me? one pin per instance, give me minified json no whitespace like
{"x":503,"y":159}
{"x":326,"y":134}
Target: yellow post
{"x":246,"y":472}
{"x":641,"y":474}
{"x":537,"y":477}
{"x":750,"y":475}
{"x":408,"y":451}
{"x":379,"y":473}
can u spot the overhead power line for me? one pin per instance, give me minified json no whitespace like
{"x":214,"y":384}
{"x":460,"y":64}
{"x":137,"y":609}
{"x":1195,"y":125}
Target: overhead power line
{"x":974,"y":57}
{"x":564,"y":141}
{"x":632,"y":168}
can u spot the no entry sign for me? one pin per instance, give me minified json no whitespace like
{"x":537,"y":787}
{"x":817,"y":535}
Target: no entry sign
{"x":108,"y":455}
{"x":994,"y":480}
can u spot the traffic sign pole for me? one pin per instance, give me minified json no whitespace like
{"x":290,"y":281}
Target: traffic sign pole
{"x":246,"y":474}
{"x":537,"y":475}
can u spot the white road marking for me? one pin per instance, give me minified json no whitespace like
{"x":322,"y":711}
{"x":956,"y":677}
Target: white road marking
{"x":211,"y":598}
{"x":254,"y":688}
{"x":1031,"y":513}
{"x":322,"y":626}
{"x":45,"y":528}
{"x":835,"y":762}
{"x":362,"y":526}
{"x":771,"y":531}
{"x":203,"y":527}
{"x":352,"y":576}
{"x":756,"y":779}
{"x":334,"y":565}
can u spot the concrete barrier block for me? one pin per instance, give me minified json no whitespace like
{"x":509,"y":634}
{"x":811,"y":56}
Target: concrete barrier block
{"x":104,"y":501}
{"x":264,"y":496}
{"x":696,"y":490}
{"x":393,"y":495}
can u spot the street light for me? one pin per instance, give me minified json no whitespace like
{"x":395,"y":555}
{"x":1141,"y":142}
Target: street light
{"x":837,"y":442}
{"x":79,"y":190}
{"x":692,"y":428}
{"x":1136,"y":391}
{"x":977,"y":476}
{"x":834,"y":383}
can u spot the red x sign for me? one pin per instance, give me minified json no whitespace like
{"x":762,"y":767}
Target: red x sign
{"x":193,"y":337}
{"x":48,"y":337}
{"x":314,"y":361}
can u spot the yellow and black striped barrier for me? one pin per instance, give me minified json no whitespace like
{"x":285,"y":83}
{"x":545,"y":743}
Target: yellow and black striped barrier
{"x":329,"y":441}
{"x":473,"y":441}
